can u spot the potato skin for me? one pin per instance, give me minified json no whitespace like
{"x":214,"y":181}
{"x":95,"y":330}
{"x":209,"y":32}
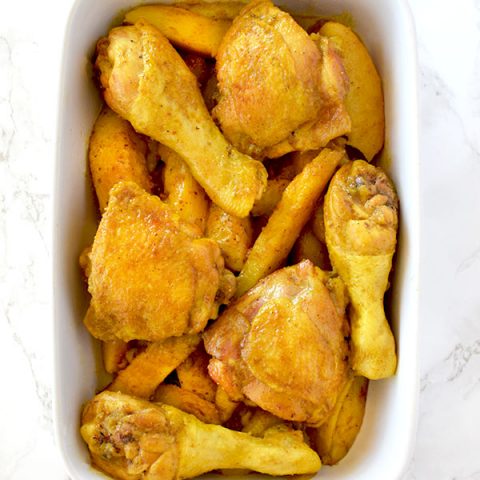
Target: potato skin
{"x":187,"y":29}
{"x":291,"y":214}
{"x":150,"y":368}
{"x":364,"y":101}
{"x":183,"y":192}
{"x":216,"y":10}
{"x":116,"y":152}
{"x":308,"y":246}
{"x":335,"y":437}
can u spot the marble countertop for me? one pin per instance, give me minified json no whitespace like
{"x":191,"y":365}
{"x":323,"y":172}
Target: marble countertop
{"x":448,"y":438}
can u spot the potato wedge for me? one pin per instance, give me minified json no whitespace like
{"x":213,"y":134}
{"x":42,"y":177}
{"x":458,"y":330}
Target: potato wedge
{"x":116,"y":152}
{"x":266,"y":204}
{"x":318,"y":222}
{"x":233,"y":235}
{"x":85,"y":263}
{"x":193,"y":375}
{"x":216,"y":10}
{"x":149,"y":368}
{"x":300,"y":159}
{"x":184,"y":193}
{"x":259,"y":422}
{"x":335,"y":437}
{"x":281,"y":172}
{"x":188,"y":402}
{"x":308,"y":246}
{"x":183,"y":28}
{"x":364,"y":100}
{"x":225,"y":405}
{"x":292,"y":213}
{"x":113,"y":353}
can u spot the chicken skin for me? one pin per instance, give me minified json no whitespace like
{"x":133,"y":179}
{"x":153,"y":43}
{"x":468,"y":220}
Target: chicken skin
{"x":361,"y":221}
{"x":275,"y":84}
{"x":152,"y":275}
{"x":133,"y":439}
{"x":146,"y":82}
{"x":282,"y":346}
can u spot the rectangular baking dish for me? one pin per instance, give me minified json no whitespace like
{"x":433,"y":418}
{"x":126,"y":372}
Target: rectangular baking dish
{"x":384,"y":444}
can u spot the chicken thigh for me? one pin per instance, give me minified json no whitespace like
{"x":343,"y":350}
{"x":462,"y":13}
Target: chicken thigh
{"x":274,"y":80}
{"x":152,"y":275}
{"x":282,"y":346}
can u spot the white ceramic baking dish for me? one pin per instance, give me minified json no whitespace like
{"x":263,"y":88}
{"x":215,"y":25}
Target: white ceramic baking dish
{"x":383,"y":447}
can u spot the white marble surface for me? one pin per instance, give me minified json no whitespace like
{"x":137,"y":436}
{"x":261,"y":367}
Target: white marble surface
{"x":448,"y":439}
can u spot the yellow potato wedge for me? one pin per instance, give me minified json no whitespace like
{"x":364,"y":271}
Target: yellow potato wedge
{"x":232,"y":234}
{"x":259,"y":422}
{"x":266,"y":204}
{"x":280,"y":173}
{"x":364,"y":100}
{"x":308,"y":246}
{"x":85,"y":262}
{"x":113,"y":353}
{"x":150,"y":368}
{"x":335,"y":437}
{"x":312,"y":23}
{"x":225,"y":405}
{"x":300,"y":159}
{"x":216,"y":10}
{"x":184,"y":193}
{"x":286,"y":222}
{"x":184,"y":28}
{"x":312,"y":244}
{"x":193,"y":375}
{"x":116,"y":152}
{"x":188,"y":402}
{"x":318,"y":222}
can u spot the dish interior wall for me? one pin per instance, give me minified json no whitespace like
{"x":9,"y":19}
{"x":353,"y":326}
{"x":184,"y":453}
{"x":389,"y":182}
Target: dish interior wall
{"x":385,"y":439}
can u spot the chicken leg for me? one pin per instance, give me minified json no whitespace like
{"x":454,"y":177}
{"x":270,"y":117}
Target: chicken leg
{"x":146,"y":81}
{"x":130,"y":438}
{"x":361,"y":225}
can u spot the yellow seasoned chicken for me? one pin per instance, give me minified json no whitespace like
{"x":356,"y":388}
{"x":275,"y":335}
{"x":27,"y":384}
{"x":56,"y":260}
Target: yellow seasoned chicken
{"x":361,"y":220}
{"x":146,"y":81}
{"x":278,"y":91}
{"x":133,"y":439}
{"x":282,"y":346}
{"x":152,"y":275}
